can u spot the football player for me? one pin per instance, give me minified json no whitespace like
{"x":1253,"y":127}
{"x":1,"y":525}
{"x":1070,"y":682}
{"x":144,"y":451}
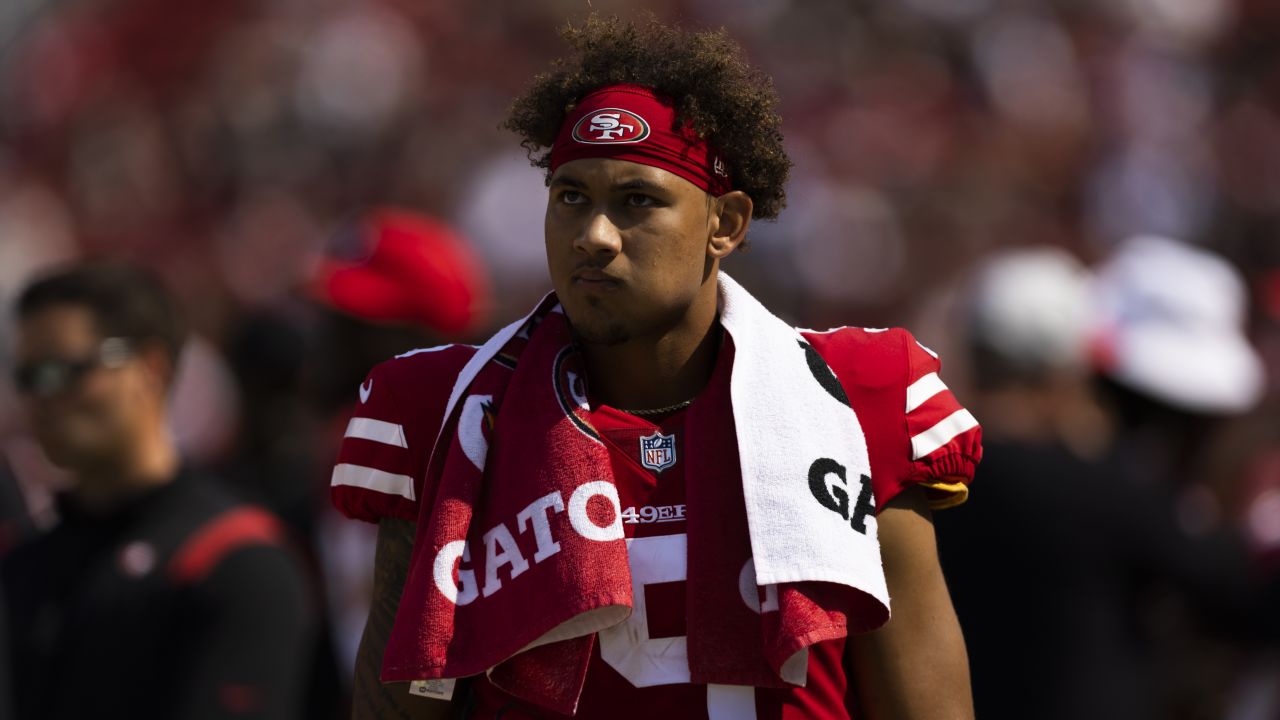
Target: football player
{"x":661,"y":146}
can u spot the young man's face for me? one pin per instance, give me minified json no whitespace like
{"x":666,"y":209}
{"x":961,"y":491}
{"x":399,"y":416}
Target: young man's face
{"x":626,"y":247}
{"x":92,"y":416}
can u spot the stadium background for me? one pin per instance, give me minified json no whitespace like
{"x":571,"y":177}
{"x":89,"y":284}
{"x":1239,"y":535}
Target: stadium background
{"x":231,"y":145}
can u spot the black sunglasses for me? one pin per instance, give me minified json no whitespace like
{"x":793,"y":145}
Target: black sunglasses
{"x":45,"y":378}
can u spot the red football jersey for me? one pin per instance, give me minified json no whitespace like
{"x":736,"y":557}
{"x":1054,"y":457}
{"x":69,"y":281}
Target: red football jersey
{"x":916,"y":432}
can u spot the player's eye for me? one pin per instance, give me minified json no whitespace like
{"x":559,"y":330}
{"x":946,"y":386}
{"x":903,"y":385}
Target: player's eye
{"x":639,"y":200}
{"x":572,"y":197}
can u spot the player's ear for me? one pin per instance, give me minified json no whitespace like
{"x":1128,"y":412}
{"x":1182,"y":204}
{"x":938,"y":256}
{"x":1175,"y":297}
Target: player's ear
{"x":730,"y":217}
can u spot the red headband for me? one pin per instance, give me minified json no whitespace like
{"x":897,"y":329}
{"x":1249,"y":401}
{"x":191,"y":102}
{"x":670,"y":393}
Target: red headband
{"x":632,"y":123}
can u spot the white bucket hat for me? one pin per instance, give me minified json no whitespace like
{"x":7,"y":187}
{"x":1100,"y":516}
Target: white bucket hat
{"x":1031,"y":305}
{"x":1170,"y":323}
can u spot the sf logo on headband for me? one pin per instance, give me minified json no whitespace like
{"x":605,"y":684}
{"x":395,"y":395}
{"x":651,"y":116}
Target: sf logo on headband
{"x":610,"y":126}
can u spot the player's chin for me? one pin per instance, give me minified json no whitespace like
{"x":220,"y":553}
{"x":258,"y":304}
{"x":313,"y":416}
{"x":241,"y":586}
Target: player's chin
{"x":596,"y":325}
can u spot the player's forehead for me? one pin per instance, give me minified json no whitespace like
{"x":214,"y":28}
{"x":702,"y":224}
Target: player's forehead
{"x":611,"y":173}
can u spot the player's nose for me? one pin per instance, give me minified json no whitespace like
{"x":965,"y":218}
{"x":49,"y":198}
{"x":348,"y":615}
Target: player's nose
{"x":599,"y":236}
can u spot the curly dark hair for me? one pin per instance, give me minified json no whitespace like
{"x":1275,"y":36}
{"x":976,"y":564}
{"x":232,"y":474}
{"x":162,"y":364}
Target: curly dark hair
{"x":704,"y":73}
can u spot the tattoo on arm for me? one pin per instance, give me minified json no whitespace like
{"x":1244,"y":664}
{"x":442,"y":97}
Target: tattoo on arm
{"x":371,"y":698}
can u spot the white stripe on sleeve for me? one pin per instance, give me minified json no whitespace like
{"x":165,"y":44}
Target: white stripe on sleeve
{"x":923,"y":389}
{"x":377,"y":431}
{"x":942,"y":433}
{"x":373,"y":479}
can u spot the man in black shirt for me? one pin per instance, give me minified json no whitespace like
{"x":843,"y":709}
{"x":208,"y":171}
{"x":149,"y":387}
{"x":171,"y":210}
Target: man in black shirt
{"x":157,"y":595}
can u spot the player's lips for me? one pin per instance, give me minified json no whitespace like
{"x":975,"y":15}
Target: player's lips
{"x":594,"y":278}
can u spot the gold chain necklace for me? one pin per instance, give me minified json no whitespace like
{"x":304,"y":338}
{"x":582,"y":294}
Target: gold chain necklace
{"x":659,"y":411}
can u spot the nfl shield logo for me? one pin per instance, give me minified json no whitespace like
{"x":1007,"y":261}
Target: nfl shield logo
{"x":658,"y":451}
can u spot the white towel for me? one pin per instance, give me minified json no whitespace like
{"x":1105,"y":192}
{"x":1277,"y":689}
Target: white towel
{"x":786,"y":422}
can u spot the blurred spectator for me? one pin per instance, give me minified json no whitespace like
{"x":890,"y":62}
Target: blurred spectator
{"x":157,"y":595}
{"x":1175,"y":364}
{"x":1169,"y":325}
{"x":35,"y":232}
{"x":1052,"y":565}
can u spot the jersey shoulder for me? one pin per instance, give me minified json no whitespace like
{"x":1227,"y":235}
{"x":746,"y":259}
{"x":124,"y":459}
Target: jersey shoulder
{"x":413,"y":388}
{"x":392,"y":430}
{"x":422,"y":374}
{"x":870,"y":357}
{"x":917,"y":432}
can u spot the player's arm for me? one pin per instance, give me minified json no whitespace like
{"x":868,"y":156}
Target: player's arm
{"x":915,"y":667}
{"x":372,"y":699}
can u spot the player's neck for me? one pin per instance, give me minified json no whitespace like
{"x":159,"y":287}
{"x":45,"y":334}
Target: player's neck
{"x":652,"y":372}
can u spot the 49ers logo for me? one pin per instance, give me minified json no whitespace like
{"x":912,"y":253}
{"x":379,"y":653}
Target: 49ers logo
{"x":610,"y":126}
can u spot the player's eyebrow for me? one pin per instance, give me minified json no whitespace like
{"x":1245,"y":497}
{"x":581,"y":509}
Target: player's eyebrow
{"x":637,"y":184}
{"x":570,"y":181}
{"x":633,"y":184}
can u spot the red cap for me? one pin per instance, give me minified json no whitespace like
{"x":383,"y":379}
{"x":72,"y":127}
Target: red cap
{"x":412,"y":269}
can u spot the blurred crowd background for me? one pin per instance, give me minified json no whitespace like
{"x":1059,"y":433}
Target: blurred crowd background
{"x":962,"y":167}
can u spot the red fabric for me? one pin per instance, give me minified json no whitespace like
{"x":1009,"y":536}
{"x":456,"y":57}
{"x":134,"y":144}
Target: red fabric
{"x":409,"y":392}
{"x":506,"y":597}
{"x":414,"y":270}
{"x":875,"y":369}
{"x":956,"y":459}
{"x":496,"y":618}
{"x":230,"y":531}
{"x":721,"y":650}
{"x":632,"y":123}
{"x":653,"y":503}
